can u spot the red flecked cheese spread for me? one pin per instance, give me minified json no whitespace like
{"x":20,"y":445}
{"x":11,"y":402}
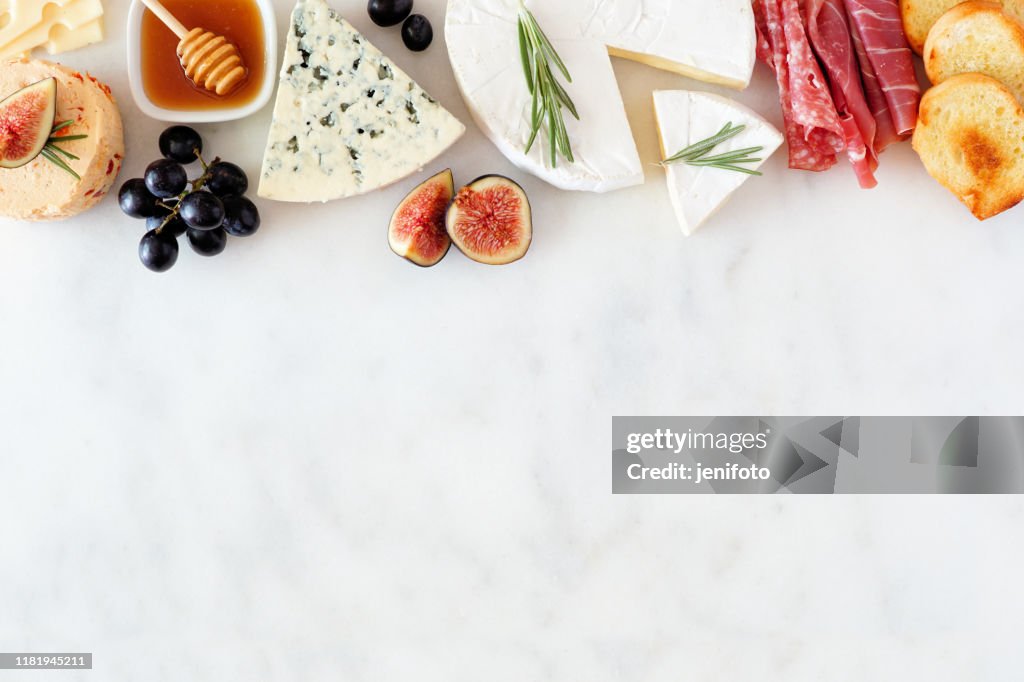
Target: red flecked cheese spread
{"x":41,"y":190}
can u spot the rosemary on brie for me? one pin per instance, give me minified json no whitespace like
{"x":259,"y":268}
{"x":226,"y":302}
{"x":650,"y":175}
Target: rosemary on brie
{"x":549,"y":96}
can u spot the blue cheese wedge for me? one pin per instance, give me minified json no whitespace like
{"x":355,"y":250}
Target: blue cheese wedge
{"x":347,"y":120}
{"x":686,"y":118}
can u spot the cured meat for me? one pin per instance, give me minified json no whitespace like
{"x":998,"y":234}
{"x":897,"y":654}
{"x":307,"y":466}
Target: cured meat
{"x":813,"y":129}
{"x":765,"y":51}
{"x":771,"y":49}
{"x":880,"y":28}
{"x":885,"y":131}
{"x":830,"y":36}
{"x":812,"y":104}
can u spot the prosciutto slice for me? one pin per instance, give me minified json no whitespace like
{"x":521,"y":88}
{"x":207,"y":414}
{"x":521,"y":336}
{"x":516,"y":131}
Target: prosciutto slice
{"x":885,"y":131}
{"x":813,"y":129}
{"x":830,"y":36}
{"x":880,"y":29}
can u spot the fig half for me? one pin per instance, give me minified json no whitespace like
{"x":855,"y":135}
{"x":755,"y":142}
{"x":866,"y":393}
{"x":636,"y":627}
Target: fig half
{"x":417,"y":230}
{"x":26,"y":121}
{"x":490,"y":220}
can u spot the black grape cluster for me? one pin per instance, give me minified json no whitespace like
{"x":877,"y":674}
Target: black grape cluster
{"x":205,"y":210}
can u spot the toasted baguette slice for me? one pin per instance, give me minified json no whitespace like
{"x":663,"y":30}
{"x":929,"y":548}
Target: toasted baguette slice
{"x":977,"y":37}
{"x":920,"y":15}
{"x":970,"y":136}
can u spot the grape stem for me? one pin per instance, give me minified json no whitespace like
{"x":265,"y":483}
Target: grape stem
{"x":192,"y":186}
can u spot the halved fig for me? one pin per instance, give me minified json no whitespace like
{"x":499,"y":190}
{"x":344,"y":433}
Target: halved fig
{"x":490,"y":220}
{"x":26,"y":120}
{"x":417,"y":232}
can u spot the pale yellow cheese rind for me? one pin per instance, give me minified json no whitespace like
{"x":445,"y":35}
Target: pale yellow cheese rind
{"x":682,"y":69}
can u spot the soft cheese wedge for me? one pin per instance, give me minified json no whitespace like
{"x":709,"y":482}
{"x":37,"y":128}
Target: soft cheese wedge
{"x":347,"y":120}
{"x":710,"y":40}
{"x":686,"y":118}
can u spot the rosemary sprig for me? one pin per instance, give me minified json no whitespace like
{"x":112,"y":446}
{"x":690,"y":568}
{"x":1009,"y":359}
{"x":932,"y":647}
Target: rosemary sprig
{"x":53,"y":153}
{"x":549,"y":96}
{"x":697,"y":154}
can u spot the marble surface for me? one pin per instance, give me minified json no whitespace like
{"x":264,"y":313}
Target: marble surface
{"x":308,"y":460}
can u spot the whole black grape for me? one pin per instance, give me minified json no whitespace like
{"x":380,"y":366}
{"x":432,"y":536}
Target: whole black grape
{"x":241,"y":217}
{"x":225,"y":178}
{"x":158,"y":252}
{"x":181,"y":144}
{"x":389,"y":12}
{"x":202,"y":211}
{"x":207,"y":242}
{"x":417,"y":33}
{"x":166,"y":179}
{"x":136,"y":200}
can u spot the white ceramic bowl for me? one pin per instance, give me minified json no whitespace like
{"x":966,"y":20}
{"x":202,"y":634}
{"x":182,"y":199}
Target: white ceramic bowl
{"x":201,"y":115}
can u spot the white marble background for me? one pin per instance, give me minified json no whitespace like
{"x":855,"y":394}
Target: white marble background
{"x":308,"y":460}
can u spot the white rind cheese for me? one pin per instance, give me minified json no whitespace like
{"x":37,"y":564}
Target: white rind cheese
{"x":686,"y":118}
{"x":710,"y":40}
{"x":347,"y":120}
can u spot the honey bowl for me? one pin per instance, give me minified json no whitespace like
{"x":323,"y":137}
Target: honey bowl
{"x":159,"y":85}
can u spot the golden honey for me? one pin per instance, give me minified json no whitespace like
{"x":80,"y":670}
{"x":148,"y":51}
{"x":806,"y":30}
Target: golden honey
{"x":165,"y":81}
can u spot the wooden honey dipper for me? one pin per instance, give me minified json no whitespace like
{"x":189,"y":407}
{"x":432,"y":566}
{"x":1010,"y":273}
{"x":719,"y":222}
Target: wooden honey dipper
{"x":209,"y":60}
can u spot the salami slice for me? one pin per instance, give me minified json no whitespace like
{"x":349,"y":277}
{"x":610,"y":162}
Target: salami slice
{"x":813,"y":130}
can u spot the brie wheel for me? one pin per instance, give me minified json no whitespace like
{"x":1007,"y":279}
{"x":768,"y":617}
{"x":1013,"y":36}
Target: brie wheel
{"x":712,"y":41}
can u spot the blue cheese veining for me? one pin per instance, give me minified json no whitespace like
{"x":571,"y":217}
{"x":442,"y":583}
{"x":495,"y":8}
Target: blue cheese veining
{"x":347,"y":120}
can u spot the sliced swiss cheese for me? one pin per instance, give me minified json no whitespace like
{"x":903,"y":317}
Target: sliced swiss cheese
{"x":60,"y":25}
{"x":347,"y":120}
{"x":710,"y":40}
{"x":686,"y":118}
{"x":65,"y":39}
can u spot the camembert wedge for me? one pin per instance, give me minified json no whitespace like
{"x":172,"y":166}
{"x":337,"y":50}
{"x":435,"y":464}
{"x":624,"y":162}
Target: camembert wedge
{"x":686,"y":118}
{"x":347,"y":120}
